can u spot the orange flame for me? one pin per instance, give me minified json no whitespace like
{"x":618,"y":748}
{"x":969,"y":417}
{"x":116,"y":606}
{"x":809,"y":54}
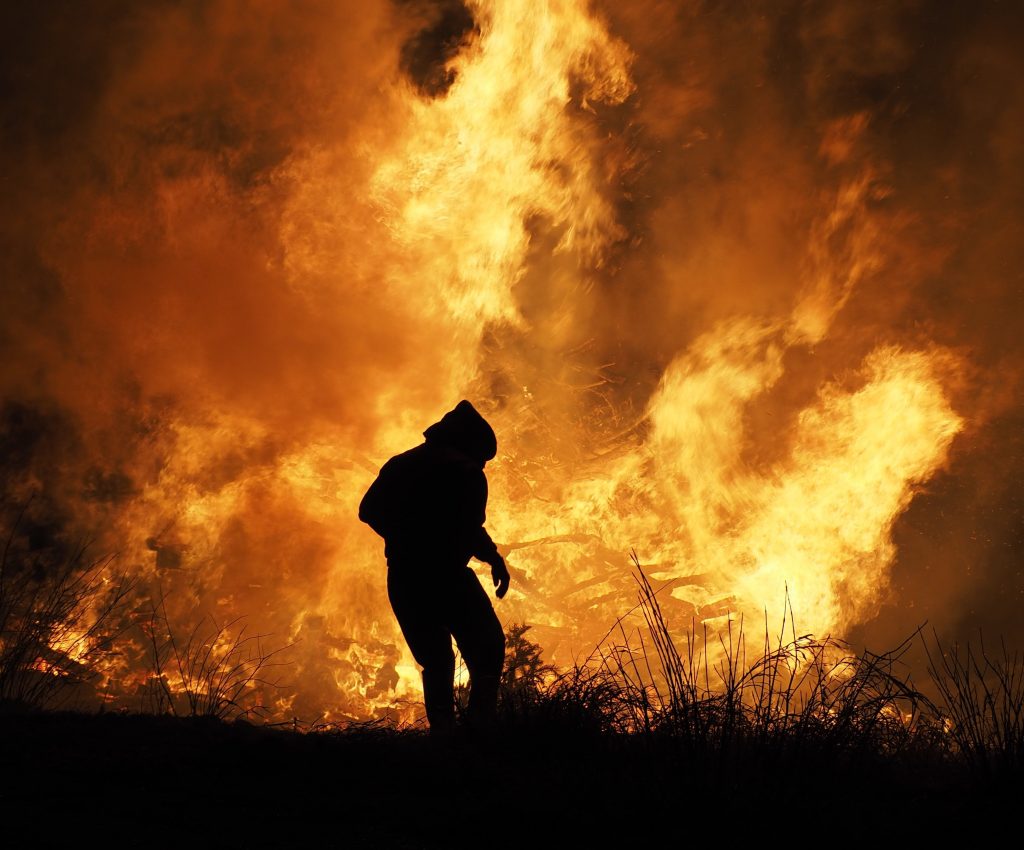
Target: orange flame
{"x":435,"y":217}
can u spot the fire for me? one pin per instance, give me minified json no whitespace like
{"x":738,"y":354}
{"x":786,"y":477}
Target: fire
{"x":465,"y":245}
{"x":506,"y":144}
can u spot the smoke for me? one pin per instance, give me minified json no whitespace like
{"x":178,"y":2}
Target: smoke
{"x":156,"y":200}
{"x":233,"y":284}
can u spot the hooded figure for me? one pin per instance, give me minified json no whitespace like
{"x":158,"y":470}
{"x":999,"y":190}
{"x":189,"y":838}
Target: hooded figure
{"x":429,"y":505}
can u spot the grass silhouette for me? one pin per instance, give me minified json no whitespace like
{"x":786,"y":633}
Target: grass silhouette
{"x":660,"y":732}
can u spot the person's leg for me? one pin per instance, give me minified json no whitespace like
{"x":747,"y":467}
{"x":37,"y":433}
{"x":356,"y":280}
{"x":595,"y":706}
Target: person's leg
{"x":423,"y":625}
{"x":481,"y":641}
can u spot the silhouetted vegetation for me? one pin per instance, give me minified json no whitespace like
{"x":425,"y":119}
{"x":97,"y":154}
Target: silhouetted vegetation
{"x":796,"y":701}
{"x":213,"y":671}
{"x":656,"y":720}
{"x":59,"y":616}
{"x":982,"y":704}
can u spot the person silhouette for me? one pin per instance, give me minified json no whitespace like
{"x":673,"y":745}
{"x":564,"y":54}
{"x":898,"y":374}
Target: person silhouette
{"x":429,"y":504}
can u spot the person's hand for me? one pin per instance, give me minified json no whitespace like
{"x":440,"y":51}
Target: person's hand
{"x":499,"y":572}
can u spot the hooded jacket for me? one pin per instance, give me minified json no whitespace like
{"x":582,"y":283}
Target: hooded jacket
{"x":429,"y":503}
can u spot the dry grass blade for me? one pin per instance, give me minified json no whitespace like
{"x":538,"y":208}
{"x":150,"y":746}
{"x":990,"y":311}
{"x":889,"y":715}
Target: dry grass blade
{"x":212,"y":671}
{"x":982,"y":702}
{"x":59,"y":617}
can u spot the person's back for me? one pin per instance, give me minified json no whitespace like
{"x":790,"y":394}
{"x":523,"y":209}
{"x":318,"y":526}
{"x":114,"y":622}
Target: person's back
{"x":429,"y":505}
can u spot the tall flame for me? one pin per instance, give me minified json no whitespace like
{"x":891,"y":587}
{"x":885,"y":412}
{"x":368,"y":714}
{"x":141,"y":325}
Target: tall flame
{"x":462,"y":245}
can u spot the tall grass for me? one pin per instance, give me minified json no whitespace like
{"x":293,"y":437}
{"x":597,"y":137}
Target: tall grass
{"x":59,"y":617}
{"x":796,"y":692}
{"x":793,"y":696}
{"x":216,"y":670}
{"x":982,"y":698}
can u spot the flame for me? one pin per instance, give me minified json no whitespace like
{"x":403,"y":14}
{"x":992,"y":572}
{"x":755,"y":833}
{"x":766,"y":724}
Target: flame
{"x":458,"y":188}
{"x":741,"y":477}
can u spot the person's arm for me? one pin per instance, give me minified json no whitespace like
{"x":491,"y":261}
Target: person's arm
{"x":483,"y":547}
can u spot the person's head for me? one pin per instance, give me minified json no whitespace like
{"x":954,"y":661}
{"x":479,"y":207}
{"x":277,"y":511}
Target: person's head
{"x":465,"y":430}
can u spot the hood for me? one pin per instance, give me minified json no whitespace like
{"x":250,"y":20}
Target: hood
{"x":465,"y":430}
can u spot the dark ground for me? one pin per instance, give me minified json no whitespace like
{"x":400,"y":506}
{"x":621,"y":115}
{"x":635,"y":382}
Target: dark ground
{"x":140,"y":781}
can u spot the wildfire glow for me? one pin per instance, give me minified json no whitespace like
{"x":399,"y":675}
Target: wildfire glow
{"x":457,"y":242}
